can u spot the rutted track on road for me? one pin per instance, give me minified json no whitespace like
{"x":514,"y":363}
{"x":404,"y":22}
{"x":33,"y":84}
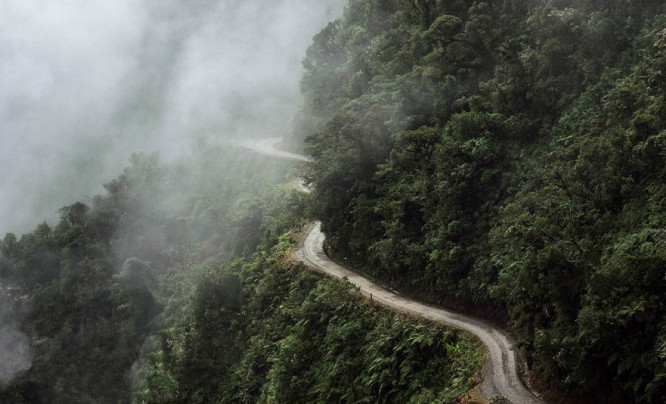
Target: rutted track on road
{"x":500,"y":371}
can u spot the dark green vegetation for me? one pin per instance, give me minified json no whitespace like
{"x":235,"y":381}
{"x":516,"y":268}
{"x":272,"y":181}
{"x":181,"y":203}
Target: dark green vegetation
{"x":110,"y":274}
{"x":508,"y":156}
{"x":175,"y":286}
{"x":504,"y":156}
{"x":262,"y":330}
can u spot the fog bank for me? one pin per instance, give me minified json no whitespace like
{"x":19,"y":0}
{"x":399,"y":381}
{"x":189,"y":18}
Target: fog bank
{"x":14,"y":345}
{"x":83,"y":84}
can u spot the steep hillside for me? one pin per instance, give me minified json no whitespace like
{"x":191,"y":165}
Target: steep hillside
{"x":91,"y":292}
{"x":175,"y":286}
{"x":508,"y":158}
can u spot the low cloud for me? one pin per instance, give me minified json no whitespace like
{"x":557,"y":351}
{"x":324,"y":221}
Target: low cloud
{"x":87,"y":82}
{"x":14,"y":345}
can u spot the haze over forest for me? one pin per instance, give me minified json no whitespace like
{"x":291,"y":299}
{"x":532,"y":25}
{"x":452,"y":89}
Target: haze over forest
{"x":500,"y":159}
{"x":87,"y":83}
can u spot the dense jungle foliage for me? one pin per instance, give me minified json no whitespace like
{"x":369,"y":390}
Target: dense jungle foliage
{"x":175,"y":286}
{"x":507,"y":156}
{"x":116,"y":269}
{"x":266,"y":330}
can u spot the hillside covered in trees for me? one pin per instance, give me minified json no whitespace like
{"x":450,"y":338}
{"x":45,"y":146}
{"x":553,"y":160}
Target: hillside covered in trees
{"x":506,"y":158}
{"x":92,"y":291}
{"x":176,"y":286}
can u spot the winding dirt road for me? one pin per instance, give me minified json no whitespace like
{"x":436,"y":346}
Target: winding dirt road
{"x":500,"y":371}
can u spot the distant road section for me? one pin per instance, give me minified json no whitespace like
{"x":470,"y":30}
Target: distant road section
{"x":500,"y":371}
{"x":268,"y":146}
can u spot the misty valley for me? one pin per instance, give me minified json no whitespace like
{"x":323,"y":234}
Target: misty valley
{"x":484,"y":182}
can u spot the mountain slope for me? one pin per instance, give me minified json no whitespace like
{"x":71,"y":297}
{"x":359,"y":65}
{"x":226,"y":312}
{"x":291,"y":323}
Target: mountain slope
{"x":506,"y":158}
